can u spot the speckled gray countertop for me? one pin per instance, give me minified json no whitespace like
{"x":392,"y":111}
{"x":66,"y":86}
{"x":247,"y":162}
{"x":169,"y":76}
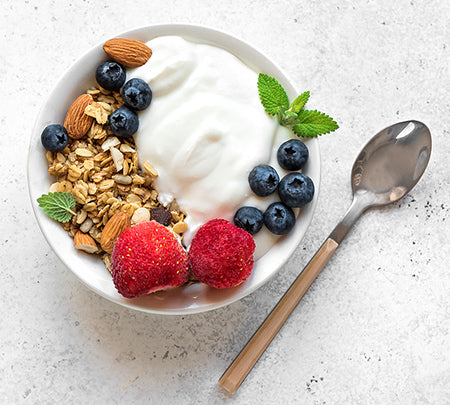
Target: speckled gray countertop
{"x":373,"y":329}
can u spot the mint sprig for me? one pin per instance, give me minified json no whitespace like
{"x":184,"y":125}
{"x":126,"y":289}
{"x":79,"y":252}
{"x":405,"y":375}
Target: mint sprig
{"x":304,"y":123}
{"x":58,"y":205}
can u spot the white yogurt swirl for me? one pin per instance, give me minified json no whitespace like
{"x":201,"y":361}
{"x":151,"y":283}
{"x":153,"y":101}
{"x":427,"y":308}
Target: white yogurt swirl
{"x":204,"y":131}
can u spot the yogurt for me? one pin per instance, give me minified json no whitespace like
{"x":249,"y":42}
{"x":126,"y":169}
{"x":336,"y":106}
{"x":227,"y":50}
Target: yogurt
{"x":204,"y":131}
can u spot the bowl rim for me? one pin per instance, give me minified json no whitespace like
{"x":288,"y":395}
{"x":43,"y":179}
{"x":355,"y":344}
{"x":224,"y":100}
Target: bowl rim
{"x":129,"y":303}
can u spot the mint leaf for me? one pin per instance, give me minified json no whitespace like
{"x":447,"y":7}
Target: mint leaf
{"x":313,"y":123}
{"x":58,"y":205}
{"x":272,"y":95}
{"x":299,"y":102}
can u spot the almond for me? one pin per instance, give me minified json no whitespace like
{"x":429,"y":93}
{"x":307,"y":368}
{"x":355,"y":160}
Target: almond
{"x":112,"y":230}
{"x":84,"y":242}
{"x":77,"y":122}
{"x":127,"y":52}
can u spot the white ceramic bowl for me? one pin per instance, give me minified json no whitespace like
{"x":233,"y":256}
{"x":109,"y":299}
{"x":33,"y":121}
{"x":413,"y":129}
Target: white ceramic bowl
{"x":90,"y":269}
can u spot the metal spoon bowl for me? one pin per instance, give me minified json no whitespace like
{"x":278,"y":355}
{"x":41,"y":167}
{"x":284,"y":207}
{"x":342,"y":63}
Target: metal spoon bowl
{"x":386,"y":169}
{"x":392,"y":162}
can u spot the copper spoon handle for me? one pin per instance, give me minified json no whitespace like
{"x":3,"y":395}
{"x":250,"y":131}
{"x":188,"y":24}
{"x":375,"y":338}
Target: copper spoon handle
{"x":255,"y":347}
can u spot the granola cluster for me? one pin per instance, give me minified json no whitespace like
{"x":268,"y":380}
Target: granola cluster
{"x":102,"y":172}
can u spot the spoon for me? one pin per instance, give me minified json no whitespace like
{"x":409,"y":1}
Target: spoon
{"x":387,"y":168}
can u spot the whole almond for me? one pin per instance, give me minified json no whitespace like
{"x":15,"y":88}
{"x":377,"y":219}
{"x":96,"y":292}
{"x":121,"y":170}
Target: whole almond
{"x":82,"y":241}
{"x":112,"y":230}
{"x":77,"y":122}
{"x":128,"y":52}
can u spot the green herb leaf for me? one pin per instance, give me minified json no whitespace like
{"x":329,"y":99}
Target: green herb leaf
{"x":272,"y":94}
{"x":313,"y":123}
{"x":299,"y":102}
{"x":58,"y":205}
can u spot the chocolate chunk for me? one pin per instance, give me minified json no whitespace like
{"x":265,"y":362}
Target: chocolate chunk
{"x":161,"y":215}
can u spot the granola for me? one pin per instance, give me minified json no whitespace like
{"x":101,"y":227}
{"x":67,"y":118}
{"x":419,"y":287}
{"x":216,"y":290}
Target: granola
{"x":102,"y":172}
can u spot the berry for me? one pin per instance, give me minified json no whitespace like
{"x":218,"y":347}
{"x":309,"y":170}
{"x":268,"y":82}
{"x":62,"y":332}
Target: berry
{"x":296,"y":189}
{"x":137,"y":94}
{"x":292,"y":154}
{"x":124,"y":122}
{"x":110,"y":75}
{"x":54,"y":138}
{"x":279,"y":218}
{"x":221,"y":254}
{"x":148,"y":258}
{"x":263,"y":180}
{"x":249,"y":218}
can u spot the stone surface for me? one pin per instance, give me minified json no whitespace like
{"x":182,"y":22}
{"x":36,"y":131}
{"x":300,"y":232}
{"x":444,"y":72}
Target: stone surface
{"x":373,"y":329}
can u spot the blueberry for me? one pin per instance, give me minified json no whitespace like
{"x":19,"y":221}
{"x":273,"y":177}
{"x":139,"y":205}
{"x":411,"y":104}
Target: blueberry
{"x":110,"y":75}
{"x":279,"y":218}
{"x":124,"y":122}
{"x":249,"y":218}
{"x":54,"y":138}
{"x":292,"y":154}
{"x":263,"y":180}
{"x":137,"y":94}
{"x":296,"y":189}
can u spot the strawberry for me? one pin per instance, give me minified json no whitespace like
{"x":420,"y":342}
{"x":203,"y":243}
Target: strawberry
{"x":148,"y":258}
{"x":221,"y":254}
